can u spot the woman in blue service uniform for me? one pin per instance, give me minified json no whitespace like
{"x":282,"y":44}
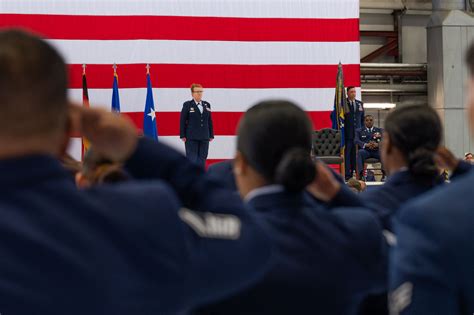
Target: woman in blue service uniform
{"x":325,"y":262}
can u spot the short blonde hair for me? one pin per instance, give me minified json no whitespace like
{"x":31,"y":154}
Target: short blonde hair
{"x":195,"y":85}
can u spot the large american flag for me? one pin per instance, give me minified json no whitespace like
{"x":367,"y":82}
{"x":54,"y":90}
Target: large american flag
{"x":241,"y":51}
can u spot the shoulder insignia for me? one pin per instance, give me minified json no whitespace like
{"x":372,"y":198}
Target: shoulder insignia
{"x":212,"y":225}
{"x":400,"y":299}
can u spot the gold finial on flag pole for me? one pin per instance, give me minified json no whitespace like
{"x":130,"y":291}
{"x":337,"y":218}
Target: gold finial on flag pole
{"x":147,"y":68}
{"x":84,"y":68}
{"x":115,"y":68}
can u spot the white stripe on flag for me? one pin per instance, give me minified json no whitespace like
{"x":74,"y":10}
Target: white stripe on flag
{"x":208,"y":52}
{"x":228,"y":8}
{"x":222,"y":100}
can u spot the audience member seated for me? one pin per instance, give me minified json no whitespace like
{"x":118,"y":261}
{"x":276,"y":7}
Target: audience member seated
{"x":368,"y":141}
{"x":325,"y":261}
{"x":97,"y":170}
{"x":432,"y":264}
{"x":133,"y":248}
{"x":468,"y":157}
{"x":370,"y":176}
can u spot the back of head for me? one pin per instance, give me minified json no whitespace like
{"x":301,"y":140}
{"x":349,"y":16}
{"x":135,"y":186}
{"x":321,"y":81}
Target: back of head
{"x":354,"y":184}
{"x":416,"y":131}
{"x":33,"y":85}
{"x":275,"y":139}
{"x":97,"y":170}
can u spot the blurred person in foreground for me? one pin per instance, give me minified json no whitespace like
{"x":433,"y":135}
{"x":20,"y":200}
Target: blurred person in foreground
{"x":156,"y":246}
{"x":410,"y":159}
{"x":326,"y":262}
{"x":431,"y":268}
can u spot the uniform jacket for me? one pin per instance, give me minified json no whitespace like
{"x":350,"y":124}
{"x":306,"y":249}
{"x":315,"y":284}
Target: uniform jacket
{"x":325,"y":262}
{"x":127,"y":248}
{"x":353,"y":120}
{"x":365,"y":135}
{"x":432,"y":264}
{"x":195,"y":125}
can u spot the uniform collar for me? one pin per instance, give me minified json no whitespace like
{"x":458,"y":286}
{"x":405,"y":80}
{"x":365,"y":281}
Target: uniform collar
{"x":277,"y":199}
{"x":401,"y":176}
{"x":264,"y":190}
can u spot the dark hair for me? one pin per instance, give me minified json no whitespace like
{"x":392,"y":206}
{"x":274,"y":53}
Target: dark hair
{"x":275,"y":139}
{"x":416,"y":131}
{"x":33,"y":85}
{"x":368,"y":116}
{"x":350,"y":88}
{"x":470,"y":59}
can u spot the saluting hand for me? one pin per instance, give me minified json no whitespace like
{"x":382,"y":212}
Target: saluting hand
{"x":324,"y":187}
{"x":113,"y":136}
{"x":446,"y":159}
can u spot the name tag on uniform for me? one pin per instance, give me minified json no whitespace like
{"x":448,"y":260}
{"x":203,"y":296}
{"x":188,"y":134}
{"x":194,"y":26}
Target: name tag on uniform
{"x":192,"y":110}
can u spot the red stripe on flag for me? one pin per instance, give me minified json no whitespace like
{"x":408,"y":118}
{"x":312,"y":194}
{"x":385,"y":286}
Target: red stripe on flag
{"x":186,"y":28}
{"x":225,"y":123}
{"x":216,"y":76}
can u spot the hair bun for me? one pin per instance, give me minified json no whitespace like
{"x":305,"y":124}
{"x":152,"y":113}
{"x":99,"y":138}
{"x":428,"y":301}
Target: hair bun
{"x":421,"y":163}
{"x":296,"y":170}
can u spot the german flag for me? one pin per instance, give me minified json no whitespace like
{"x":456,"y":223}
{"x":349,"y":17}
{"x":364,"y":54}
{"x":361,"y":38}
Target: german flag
{"x":85,"y":102}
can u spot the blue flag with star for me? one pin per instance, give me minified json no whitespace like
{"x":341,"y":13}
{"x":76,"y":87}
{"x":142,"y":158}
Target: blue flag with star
{"x":115,"y":95}
{"x":149,"y":117}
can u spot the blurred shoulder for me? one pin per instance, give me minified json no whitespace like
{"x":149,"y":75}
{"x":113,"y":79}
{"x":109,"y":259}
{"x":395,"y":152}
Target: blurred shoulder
{"x":443,"y":208}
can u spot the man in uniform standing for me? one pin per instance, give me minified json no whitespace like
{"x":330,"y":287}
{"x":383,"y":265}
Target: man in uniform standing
{"x":354,"y":119}
{"x":196,"y":126}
